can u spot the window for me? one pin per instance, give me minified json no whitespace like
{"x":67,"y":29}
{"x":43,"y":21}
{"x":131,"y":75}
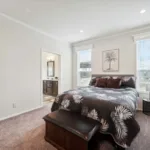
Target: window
{"x":143,"y":65}
{"x":83,"y":67}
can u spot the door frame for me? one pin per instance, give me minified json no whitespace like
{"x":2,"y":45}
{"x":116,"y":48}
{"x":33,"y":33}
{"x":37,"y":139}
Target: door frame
{"x":41,"y":80}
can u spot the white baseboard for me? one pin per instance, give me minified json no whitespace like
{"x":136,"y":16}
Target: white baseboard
{"x":16,"y":114}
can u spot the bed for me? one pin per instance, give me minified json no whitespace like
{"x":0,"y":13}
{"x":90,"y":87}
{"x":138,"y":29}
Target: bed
{"x":114,"y":108}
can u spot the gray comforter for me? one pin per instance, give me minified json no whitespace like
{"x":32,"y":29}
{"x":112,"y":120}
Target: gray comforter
{"x":113,"y":108}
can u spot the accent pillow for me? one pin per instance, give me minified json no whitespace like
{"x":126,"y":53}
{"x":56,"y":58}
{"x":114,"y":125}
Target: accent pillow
{"x":113,"y":83}
{"x":92,"y":81}
{"x":101,"y":82}
{"x":128,"y":82}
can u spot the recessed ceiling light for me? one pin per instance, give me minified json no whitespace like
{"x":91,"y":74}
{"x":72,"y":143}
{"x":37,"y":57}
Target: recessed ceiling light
{"x":142,"y":11}
{"x":81,"y":31}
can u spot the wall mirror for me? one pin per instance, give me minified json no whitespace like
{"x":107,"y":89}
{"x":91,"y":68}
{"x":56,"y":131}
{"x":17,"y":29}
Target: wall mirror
{"x":50,"y":69}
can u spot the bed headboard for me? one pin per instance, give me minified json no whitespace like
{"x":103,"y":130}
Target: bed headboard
{"x":113,"y":75}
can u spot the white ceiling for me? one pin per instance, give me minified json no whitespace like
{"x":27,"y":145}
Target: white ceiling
{"x":65,"y":18}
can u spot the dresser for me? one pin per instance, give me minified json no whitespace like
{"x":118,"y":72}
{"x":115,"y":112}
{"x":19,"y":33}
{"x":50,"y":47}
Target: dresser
{"x":50,"y":87}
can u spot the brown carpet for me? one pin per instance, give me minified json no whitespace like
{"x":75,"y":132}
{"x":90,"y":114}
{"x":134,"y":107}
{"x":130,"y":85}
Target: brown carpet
{"x":26,"y":132}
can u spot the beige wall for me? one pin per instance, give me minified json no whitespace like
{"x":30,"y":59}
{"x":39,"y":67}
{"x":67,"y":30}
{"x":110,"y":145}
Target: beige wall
{"x":127,"y":52}
{"x":20,"y":66}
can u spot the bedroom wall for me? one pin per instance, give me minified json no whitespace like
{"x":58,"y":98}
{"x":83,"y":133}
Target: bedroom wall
{"x":127,"y":56}
{"x":123,"y":42}
{"x":20,"y":66}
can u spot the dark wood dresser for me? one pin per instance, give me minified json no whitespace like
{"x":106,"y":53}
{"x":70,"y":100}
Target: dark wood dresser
{"x":50,"y":87}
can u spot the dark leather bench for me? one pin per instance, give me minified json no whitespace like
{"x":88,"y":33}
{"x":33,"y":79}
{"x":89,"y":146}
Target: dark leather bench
{"x":69,"y":131}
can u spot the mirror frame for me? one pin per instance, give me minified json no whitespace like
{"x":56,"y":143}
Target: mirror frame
{"x":53,"y":68}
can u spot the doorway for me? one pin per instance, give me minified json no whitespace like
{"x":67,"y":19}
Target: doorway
{"x":50,"y":72}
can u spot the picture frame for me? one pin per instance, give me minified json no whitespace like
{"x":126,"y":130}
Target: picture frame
{"x":110,"y":60}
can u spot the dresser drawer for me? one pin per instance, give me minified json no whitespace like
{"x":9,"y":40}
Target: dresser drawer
{"x":49,"y":84}
{"x":55,"y":88}
{"x":49,"y":91}
{"x":50,"y":87}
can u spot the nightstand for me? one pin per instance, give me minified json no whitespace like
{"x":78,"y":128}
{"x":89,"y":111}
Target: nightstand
{"x":142,"y":95}
{"x":146,"y":106}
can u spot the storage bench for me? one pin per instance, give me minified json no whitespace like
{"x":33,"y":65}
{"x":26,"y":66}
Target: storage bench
{"x":69,"y":131}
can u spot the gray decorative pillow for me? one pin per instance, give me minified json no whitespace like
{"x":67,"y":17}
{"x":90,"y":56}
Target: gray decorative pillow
{"x":128,"y":82}
{"x":92,"y":81}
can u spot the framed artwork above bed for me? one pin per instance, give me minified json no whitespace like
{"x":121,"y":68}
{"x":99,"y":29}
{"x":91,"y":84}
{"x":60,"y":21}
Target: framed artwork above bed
{"x":110,"y":60}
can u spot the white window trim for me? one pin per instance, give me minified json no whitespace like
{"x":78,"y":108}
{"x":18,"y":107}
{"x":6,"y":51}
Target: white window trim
{"x":78,"y":72}
{"x":83,"y":47}
{"x":141,"y":36}
{"x":137,"y":38}
{"x":75,"y":50}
